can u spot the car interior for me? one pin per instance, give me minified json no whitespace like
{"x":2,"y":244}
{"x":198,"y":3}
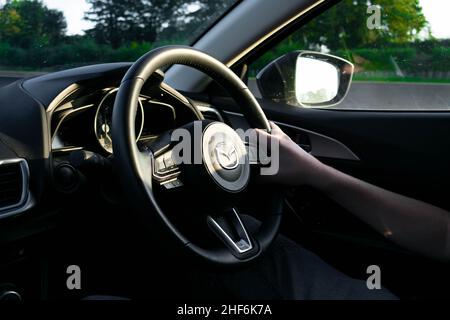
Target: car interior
{"x":87,"y":178}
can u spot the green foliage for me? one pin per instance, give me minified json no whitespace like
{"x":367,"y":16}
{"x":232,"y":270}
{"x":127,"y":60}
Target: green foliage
{"x":345,"y":25}
{"x":10,"y":24}
{"x":392,"y":51}
{"x":378,"y":58}
{"x":27,"y":23}
{"x":412,"y":59}
{"x":271,"y":55}
{"x":42,"y":58}
{"x":123,"y":21}
{"x":33,"y":36}
{"x":118,"y":22}
{"x":76,"y":52}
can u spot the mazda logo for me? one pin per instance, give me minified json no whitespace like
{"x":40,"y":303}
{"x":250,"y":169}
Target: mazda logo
{"x":227,"y":156}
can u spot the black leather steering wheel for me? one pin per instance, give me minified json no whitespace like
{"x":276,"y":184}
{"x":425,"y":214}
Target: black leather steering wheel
{"x":221,"y":174}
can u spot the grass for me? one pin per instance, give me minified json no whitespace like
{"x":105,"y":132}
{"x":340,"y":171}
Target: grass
{"x":363,"y":78}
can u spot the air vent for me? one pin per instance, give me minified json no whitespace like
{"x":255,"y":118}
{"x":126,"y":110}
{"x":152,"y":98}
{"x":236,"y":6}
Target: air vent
{"x":13,"y":184}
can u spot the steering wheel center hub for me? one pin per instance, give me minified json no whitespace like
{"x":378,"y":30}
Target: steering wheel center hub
{"x":225,"y":157}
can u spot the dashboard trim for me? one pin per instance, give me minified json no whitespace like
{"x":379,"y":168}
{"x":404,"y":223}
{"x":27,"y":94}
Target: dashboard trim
{"x":61,"y":96}
{"x":68,"y":114}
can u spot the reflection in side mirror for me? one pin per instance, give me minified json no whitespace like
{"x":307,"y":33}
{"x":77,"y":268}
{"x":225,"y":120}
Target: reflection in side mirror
{"x":306,"y":78}
{"x":316,"y":81}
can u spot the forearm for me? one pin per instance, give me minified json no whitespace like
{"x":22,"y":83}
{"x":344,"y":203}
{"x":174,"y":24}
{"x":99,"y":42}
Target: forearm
{"x":411,"y":223}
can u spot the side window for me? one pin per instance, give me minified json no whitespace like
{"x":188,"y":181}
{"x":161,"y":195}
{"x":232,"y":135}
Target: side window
{"x":400,"y":51}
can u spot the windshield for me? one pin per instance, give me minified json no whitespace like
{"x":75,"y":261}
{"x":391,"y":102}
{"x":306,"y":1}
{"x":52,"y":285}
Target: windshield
{"x":48,"y":35}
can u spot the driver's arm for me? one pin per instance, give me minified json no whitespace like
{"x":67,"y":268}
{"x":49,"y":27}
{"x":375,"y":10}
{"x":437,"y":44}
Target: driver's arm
{"x":413,"y":224}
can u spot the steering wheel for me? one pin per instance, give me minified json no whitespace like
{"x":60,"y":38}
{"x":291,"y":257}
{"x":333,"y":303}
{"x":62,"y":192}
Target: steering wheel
{"x":222,"y":174}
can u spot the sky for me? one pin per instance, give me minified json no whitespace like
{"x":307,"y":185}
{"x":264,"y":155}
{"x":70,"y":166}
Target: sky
{"x":436,"y":12}
{"x":74,"y":11}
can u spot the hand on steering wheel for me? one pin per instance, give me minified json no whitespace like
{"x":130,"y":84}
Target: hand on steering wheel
{"x":224,"y":169}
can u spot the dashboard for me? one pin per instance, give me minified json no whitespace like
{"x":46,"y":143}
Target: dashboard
{"x":49,"y":120}
{"x":85,"y":122}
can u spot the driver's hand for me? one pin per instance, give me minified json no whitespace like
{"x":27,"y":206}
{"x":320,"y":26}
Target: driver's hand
{"x":296,"y":166}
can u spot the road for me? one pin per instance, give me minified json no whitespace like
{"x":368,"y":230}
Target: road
{"x":373,"y":95}
{"x":391,"y":96}
{"x":399,"y":96}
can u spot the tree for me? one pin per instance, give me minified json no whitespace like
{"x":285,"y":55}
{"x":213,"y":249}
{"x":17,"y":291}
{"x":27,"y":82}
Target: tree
{"x":345,"y":25}
{"x":120,"y":21}
{"x":190,"y":17}
{"x":10,"y":23}
{"x":24,"y":23}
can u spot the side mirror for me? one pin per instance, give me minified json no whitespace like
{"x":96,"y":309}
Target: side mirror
{"x":306,"y":78}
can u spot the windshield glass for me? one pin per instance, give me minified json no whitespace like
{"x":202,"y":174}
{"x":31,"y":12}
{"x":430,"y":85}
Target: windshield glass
{"x":48,"y":35}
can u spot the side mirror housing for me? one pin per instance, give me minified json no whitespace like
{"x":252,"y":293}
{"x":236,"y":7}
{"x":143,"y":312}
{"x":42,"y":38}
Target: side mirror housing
{"x":306,"y":78}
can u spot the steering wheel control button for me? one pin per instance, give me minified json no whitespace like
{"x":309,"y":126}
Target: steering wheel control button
{"x":166,"y":171}
{"x":173,"y":184}
{"x":160,"y":166}
{"x":168,"y":161}
{"x":225,"y":157}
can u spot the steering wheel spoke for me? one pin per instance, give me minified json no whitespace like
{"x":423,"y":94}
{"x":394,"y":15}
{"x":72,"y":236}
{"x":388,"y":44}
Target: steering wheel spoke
{"x":230,"y":229}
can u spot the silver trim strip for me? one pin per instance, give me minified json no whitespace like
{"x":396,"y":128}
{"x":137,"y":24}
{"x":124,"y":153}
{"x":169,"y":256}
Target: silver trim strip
{"x":61,"y":96}
{"x":101,"y":104}
{"x":66,"y":115}
{"x":226,"y":238}
{"x":26,"y":201}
